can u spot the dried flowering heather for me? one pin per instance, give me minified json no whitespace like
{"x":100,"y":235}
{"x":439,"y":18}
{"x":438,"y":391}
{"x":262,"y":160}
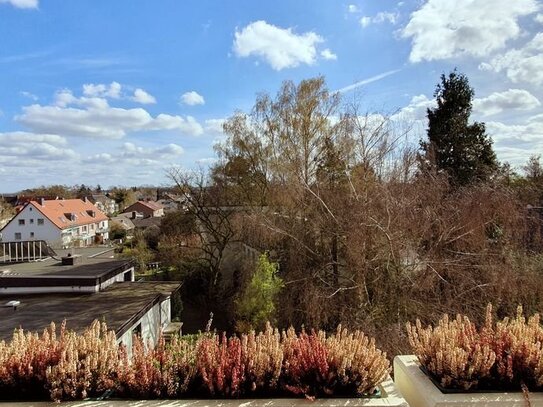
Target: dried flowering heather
{"x":87,"y":365}
{"x":501,"y":355}
{"x":263,"y":358}
{"x":454,"y":352}
{"x":305,"y":364}
{"x":167,"y":370}
{"x":24,"y":362}
{"x":355,"y":361}
{"x":519,"y":353}
{"x":220,"y":365}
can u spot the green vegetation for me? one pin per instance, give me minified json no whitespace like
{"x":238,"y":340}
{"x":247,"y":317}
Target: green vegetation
{"x":256,"y":305}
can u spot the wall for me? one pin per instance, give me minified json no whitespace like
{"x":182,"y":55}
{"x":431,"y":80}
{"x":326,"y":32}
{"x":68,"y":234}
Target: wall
{"x":48,"y":231}
{"x":152,"y":324}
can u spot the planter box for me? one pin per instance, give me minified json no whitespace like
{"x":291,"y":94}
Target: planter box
{"x":390,"y":398}
{"x":419,"y":391}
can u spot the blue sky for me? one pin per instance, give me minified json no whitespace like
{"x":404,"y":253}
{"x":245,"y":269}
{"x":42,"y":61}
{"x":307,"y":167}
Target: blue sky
{"x":117,"y":92}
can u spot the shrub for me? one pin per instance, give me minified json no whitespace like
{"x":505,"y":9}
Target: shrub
{"x":71,"y":366}
{"x":506,"y":354}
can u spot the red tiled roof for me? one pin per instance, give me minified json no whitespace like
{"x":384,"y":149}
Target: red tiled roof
{"x":56,"y":211}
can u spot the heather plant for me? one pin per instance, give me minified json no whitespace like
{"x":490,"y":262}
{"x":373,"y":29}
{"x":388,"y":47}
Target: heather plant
{"x":87,"y":365}
{"x":71,"y":366}
{"x":506,"y":354}
{"x":163,"y":371}
{"x":344,"y":363}
{"x":24,"y":362}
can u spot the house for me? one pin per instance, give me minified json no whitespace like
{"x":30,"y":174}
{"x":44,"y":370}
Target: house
{"x":171,"y":202}
{"x":59,"y":222}
{"x":79,"y":286}
{"x":149,"y":209}
{"x":104,"y":203}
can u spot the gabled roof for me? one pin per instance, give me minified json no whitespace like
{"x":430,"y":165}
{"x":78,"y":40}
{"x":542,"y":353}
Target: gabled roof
{"x":150,"y":204}
{"x":56,"y":211}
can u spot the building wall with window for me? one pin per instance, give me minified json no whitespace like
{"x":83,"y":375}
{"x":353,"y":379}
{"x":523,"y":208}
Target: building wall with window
{"x":31,"y":224}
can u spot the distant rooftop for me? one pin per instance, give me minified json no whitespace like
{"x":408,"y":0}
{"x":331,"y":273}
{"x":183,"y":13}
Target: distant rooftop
{"x":121,"y":305}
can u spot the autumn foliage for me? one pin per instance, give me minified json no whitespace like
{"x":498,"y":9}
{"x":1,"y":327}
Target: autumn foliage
{"x":65,"y":365}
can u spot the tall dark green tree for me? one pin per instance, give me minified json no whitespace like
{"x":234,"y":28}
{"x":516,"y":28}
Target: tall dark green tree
{"x":462,"y":150}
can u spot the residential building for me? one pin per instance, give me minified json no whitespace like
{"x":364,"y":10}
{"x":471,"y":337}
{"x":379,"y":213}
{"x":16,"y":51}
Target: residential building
{"x":149,"y":209}
{"x":60,"y":222}
{"x":104,"y":203}
{"x":79,"y":287}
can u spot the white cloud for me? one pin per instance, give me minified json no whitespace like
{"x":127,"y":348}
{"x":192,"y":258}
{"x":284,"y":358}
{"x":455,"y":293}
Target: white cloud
{"x":353,"y":8}
{"x":21,"y":137}
{"x":192,"y":98}
{"x":93,"y":117}
{"x":130,"y":150}
{"x":22,"y":3}
{"x":523,"y":64}
{"x":113,"y":90}
{"x":365,"y":21}
{"x":512,"y":99}
{"x":539,"y":18}
{"x":443,"y":29}
{"x":416,"y":110}
{"x":280,"y":47}
{"x":327,"y":54}
{"x":141,"y":96}
{"x":379,"y":18}
{"x":23,"y":146}
{"x":214,"y":125}
{"x":29,"y":95}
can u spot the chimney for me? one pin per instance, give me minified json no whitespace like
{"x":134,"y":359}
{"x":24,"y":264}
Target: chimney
{"x":86,"y":200}
{"x":42,"y":201}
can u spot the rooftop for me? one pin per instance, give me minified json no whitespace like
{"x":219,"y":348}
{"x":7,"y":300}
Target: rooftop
{"x":66,"y":213}
{"x":89,"y":256}
{"x":120,"y":306}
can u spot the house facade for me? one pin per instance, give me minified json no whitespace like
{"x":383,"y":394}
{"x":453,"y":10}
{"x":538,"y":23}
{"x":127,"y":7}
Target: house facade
{"x":149,"y":209}
{"x":104,"y":203}
{"x":61,"y":223}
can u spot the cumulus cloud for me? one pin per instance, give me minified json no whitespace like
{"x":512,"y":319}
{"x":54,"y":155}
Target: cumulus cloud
{"x":445,"y":29}
{"x":524,"y":64}
{"x":214,"y":125}
{"x":130,"y":150}
{"x":93,"y":117}
{"x":327,"y":54}
{"x":22,"y":3}
{"x":280,"y":47}
{"x":29,"y":146}
{"x":113,"y":90}
{"x":141,"y":96}
{"x":416,"y":110}
{"x":512,"y":99}
{"x":192,"y":98}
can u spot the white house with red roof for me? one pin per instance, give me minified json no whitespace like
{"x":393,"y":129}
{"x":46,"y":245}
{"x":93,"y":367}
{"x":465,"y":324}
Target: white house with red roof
{"x":60,"y":222}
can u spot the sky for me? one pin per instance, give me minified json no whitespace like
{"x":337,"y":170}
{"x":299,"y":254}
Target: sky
{"x":117,"y":92}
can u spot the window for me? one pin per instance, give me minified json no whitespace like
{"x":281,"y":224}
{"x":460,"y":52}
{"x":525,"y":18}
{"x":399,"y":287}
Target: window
{"x":31,"y":221}
{"x":84,"y":228}
{"x":40,"y":221}
{"x":31,"y":234}
{"x":17,"y":236}
{"x":21,"y":222}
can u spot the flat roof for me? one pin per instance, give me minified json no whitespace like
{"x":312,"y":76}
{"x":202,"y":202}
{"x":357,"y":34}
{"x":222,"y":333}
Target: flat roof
{"x":120,"y":306}
{"x":51,"y":266}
